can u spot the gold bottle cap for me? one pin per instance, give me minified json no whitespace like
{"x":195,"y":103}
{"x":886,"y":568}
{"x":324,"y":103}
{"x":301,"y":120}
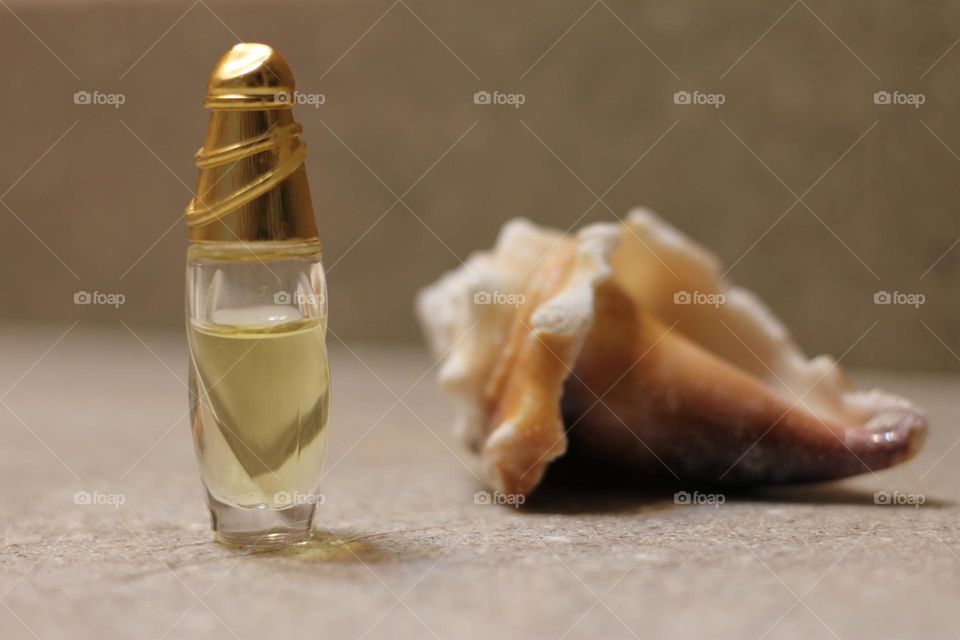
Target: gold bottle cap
{"x":252,"y":184}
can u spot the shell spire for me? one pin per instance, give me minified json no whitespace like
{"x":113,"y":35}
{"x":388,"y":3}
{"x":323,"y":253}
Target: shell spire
{"x":252,"y":184}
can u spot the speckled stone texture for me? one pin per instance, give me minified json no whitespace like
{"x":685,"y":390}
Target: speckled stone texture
{"x":403,"y":551}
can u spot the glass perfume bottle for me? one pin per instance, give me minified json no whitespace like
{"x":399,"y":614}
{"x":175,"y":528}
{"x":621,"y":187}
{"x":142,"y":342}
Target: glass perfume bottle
{"x":256,"y":308}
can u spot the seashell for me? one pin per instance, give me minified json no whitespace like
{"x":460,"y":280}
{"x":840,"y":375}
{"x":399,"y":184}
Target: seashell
{"x":623,"y":344}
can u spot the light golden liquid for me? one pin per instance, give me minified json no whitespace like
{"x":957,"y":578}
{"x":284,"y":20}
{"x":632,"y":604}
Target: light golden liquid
{"x":260,"y":405}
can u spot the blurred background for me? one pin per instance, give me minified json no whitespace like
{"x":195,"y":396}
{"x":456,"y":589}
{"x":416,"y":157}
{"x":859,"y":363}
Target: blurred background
{"x":813,"y":145}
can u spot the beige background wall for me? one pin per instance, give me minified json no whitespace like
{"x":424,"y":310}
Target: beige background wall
{"x":102,"y":205}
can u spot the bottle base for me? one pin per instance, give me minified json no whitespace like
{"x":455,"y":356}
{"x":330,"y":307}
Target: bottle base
{"x":260,"y":527}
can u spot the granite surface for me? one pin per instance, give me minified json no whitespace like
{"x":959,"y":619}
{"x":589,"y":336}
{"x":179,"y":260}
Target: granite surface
{"x":402,"y":550}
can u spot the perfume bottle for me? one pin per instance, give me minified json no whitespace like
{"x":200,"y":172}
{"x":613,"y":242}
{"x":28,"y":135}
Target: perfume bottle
{"x":256,"y":308}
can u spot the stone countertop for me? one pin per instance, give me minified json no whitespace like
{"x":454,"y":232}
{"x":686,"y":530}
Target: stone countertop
{"x":403,"y":550}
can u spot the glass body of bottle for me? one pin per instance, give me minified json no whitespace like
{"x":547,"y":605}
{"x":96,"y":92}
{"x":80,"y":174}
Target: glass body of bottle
{"x":259,"y":385}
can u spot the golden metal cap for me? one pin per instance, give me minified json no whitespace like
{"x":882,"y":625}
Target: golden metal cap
{"x":252,"y":185}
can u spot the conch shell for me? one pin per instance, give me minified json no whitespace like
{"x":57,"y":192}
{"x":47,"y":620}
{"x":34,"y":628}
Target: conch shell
{"x":624,"y":343}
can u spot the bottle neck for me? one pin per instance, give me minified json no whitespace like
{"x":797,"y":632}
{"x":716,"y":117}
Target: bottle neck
{"x":253,"y":251}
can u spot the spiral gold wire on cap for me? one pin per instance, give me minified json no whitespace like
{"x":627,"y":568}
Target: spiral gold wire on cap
{"x":252,"y":184}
